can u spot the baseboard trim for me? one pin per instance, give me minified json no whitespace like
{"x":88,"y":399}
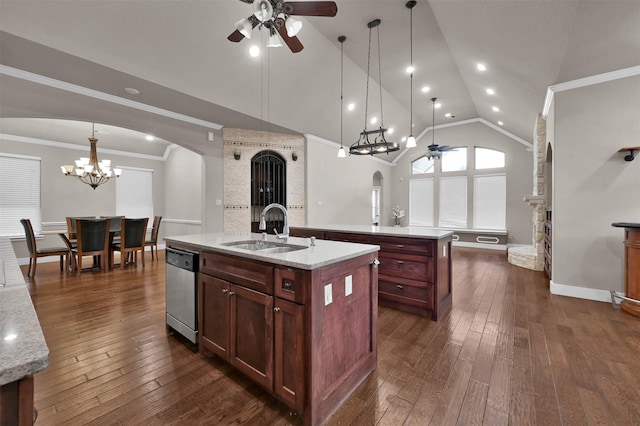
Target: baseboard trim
{"x":580,"y":292}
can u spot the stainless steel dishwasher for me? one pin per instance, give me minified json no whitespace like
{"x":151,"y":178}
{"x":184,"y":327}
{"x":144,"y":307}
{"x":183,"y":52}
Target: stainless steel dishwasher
{"x":181,"y":292}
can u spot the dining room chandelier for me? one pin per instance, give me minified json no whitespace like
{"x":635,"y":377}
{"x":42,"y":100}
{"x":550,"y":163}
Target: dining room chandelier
{"x":89,"y":170}
{"x":379,"y":145}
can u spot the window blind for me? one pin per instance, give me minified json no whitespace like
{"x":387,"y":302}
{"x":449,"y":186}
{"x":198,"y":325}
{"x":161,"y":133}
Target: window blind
{"x":453,"y":202}
{"x":19,"y":194}
{"x":134,"y":193}
{"x":490,"y":201}
{"x":421,"y":202}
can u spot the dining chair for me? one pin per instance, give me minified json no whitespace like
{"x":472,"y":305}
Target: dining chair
{"x":132,"y":239}
{"x":71,"y":228}
{"x":153,"y":239}
{"x":93,"y":240}
{"x":35,"y":252}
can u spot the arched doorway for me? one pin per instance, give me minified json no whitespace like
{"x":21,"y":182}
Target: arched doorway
{"x":268,"y":185}
{"x":376,"y":199}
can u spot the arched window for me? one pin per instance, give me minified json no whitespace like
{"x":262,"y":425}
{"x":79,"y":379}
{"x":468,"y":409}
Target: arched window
{"x":268,"y":185}
{"x":454,"y":160}
{"x":488,"y":158}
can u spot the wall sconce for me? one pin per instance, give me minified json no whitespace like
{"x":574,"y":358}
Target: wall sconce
{"x":294,"y":156}
{"x":631,"y":152}
{"x":236,"y":154}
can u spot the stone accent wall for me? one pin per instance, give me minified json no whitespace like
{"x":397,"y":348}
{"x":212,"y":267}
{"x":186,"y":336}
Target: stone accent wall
{"x":532,"y":257}
{"x":237,"y":174}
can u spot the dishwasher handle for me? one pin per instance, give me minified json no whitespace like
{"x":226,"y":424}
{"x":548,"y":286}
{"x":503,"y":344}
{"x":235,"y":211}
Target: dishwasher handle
{"x":183,"y":259}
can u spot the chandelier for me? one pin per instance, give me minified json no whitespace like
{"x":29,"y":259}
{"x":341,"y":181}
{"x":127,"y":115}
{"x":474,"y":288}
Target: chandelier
{"x":379,"y":145}
{"x":89,"y":170}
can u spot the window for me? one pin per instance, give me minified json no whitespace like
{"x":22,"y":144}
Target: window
{"x":454,"y":160}
{"x":422,"y":165}
{"x":453,"y":202}
{"x":421,"y":202}
{"x":488,"y":158}
{"x":375,"y":205}
{"x":134,"y":193}
{"x":19,"y":194}
{"x":490,"y":201}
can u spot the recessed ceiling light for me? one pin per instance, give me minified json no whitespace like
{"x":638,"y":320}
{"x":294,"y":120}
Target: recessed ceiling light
{"x":438,"y":105}
{"x":500,"y":123}
{"x":425,"y":89}
{"x":374,"y":120}
{"x":390,"y":130}
{"x":254,"y":51}
{"x":404,"y":139}
{"x":481,"y":67}
{"x":351,"y":106}
{"x":495,"y":109}
{"x":490,"y":91}
{"x":131,"y":91}
{"x":410,"y":69}
{"x":149,"y":137}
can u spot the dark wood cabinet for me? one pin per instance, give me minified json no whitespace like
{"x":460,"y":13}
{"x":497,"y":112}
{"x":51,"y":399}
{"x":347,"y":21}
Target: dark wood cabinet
{"x":414,"y":273}
{"x":274,"y":324}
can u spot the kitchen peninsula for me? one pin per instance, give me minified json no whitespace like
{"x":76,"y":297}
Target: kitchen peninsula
{"x":23,"y":350}
{"x":415,"y":263}
{"x":297,"y":317}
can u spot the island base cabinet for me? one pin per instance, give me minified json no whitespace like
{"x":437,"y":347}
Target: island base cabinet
{"x":237,"y":326}
{"x":16,"y":403}
{"x":289,"y":353}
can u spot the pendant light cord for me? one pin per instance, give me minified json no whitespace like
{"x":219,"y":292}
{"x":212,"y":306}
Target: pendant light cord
{"x":380,"y":78}
{"x":411,"y":74}
{"x":341,"y":87}
{"x":366,"y":101}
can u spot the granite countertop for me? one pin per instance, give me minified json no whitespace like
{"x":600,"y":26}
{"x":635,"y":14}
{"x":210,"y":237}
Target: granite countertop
{"x":394,"y":231}
{"x":312,"y":257}
{"x":23,"y":350}
{"x":626,"y":225}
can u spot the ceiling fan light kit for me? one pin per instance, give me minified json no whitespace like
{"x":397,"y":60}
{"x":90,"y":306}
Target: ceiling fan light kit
{"x":434,"y":150}
{"x":276,"y":17}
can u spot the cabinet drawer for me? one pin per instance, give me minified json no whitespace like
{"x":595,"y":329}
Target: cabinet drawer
{"x":290,"y":284}
{"x":406,"y":245}
{"x":406,"y":265}
{"x":419,"y":292}
{"x":348,"y":237}
{"x":249,"y":273}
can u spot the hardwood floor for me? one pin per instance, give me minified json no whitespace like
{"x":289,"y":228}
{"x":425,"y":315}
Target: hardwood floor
{"x":509,"y":352}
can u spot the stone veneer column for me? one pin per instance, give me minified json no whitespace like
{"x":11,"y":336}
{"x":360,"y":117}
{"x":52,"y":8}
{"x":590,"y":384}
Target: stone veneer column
{"x":532,"y":257}
{"x":237,"y":174}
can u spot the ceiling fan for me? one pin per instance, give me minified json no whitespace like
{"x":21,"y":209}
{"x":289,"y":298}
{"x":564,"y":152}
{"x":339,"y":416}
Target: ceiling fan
{"x":434,"y":150}
{"x":277,"y":17}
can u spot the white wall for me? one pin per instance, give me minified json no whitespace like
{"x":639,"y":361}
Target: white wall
{"x":339,"y":189}
{"x":593,"y":185}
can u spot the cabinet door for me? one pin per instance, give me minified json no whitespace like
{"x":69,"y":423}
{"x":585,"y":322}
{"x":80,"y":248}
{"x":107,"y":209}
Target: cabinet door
{"x":214,"y":315}
{"x":251,"y":348}
{"x":289,"y":353}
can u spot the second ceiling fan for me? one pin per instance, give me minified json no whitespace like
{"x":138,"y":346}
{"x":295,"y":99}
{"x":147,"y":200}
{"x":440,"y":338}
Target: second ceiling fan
{"x":277,"y":17}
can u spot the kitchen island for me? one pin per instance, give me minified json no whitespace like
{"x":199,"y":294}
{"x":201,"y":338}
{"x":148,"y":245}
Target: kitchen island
{"x":415,"y":263}
{"x":298,"y":318}
{"x":23,"y":350}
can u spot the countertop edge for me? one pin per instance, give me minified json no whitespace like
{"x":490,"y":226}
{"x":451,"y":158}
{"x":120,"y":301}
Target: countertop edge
{"x":390,"y":231}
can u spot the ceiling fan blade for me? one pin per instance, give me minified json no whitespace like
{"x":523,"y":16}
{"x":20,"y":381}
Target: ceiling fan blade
{"x":311,"y":8}
{"x":237,"y":36}
{"x":444,"y":148}
{"x":247,"y":1}
{"x":293,"y":42}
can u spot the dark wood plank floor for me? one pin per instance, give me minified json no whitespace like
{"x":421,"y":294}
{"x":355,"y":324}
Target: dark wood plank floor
{"x":508,"y":353}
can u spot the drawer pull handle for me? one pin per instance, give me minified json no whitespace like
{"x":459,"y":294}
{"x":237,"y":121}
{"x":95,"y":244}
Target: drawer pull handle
{"x":231,"y":293}
{"x":276,"y":309}
{"x":399,"y":286}
{"x":224,"y":290}
{"x":288,"y":285}
{"x":400,"y":246}
{"x":400,"y":262}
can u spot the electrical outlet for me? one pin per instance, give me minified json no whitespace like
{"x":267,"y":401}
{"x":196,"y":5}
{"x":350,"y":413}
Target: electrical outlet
{"x":348,"y":285}
{"x":328,"y":297}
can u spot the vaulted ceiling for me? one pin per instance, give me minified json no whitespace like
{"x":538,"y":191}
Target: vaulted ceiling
{"x":177,"y":55}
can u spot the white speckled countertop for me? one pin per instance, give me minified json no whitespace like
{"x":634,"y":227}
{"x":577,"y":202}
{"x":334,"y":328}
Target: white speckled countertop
{"x":312,"y":257}
{"x":393,"y":231}
{"x":23,"y":350}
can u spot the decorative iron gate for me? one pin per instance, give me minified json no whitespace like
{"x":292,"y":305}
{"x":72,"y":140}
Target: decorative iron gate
{"x":268,"y":185}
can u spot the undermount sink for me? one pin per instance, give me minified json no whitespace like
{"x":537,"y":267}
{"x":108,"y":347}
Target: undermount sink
{"x":264,"y":246}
